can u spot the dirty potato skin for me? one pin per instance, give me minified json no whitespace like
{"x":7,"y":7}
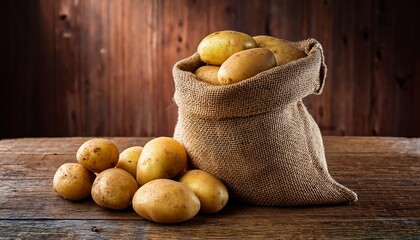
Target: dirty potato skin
{"x":166,"y":201}
{"x":73,"y":181}
{"x":216,"y":47}
{"x":162,"y":157}
{"x":129,"y":158}
{"x":98,"y":154}
{"x":245,"y":64}
{"x":208,"y":74}
{"x":212,"y":193}
{"x":114,"y":188}
{"x":283,"y":51}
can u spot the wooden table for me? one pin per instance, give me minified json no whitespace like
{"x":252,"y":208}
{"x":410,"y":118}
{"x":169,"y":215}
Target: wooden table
{"x":384,"y":172}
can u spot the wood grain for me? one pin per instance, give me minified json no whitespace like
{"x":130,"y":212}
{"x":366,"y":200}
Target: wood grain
{"x":284,"y":229}
{"x":384,"y":172}
{"x":104,"y":68}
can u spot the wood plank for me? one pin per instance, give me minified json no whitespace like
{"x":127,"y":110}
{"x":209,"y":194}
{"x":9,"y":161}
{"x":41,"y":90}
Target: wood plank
{"x":332,"y":144}
{"x":175,"y":45}
{"x":13,"y":64}
{"x":360,"y":43}
{"x":27,"y":59}
{"x":253,"y":17}
{"x":85,"y":68}
{"x":380,"y":196}
{"x":351,"y":84}
{"x":385,"y":182}
{"x":372,"y":145}
{"x":221,"y":15}
{"x":96,"y":66}
{"x":139,"y":57}
{"x":394,"y":70}
{"x":399,"y":193}
{"x":319,"y":15}
{"x":343,"y":108}
{"x":255,"y":229}
{"x":44,"y":88}
{"x":384,"y":172}
{"x":61,"y":145}
{"x":286,"y":20}
{"x":406,"y":22}
{"x":69,"y":106}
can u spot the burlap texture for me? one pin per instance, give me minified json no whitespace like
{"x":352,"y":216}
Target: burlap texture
{"x":256,"y":135}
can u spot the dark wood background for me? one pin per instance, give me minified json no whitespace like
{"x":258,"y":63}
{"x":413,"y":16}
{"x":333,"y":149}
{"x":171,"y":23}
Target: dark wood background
{"x":104,"y":68}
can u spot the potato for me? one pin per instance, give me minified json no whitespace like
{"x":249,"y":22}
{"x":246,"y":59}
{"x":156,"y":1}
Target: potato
{"x":282,"y":49}
{"x":73,"y":181}
{"x":215,"y":48}
{"x":114,"y":188}
{"x":128,"y":159}
{"x":166,"y":201}
{"x":212,"y":193}
{"x":98,"y":154}
{"x":245,"y":64}
{"x":162,"y":157}
{"x":208,"y":74}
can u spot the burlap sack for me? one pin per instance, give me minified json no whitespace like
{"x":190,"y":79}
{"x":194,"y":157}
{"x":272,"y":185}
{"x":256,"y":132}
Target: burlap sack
{"x":256,"y":135}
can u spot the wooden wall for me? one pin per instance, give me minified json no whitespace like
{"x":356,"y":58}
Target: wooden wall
{"x":104,"y":68}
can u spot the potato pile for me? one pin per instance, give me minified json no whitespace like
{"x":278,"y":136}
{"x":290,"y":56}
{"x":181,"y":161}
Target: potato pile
{"x":233,"y":56}
{"x":153,"y":179}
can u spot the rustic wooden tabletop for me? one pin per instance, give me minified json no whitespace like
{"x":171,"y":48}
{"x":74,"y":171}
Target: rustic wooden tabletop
{"x":384,"y":172}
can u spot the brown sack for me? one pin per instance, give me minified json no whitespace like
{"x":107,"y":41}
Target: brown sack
{"x":256,"y":135}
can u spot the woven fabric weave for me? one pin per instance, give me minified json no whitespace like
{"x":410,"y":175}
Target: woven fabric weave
{"x":256,"y":135}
